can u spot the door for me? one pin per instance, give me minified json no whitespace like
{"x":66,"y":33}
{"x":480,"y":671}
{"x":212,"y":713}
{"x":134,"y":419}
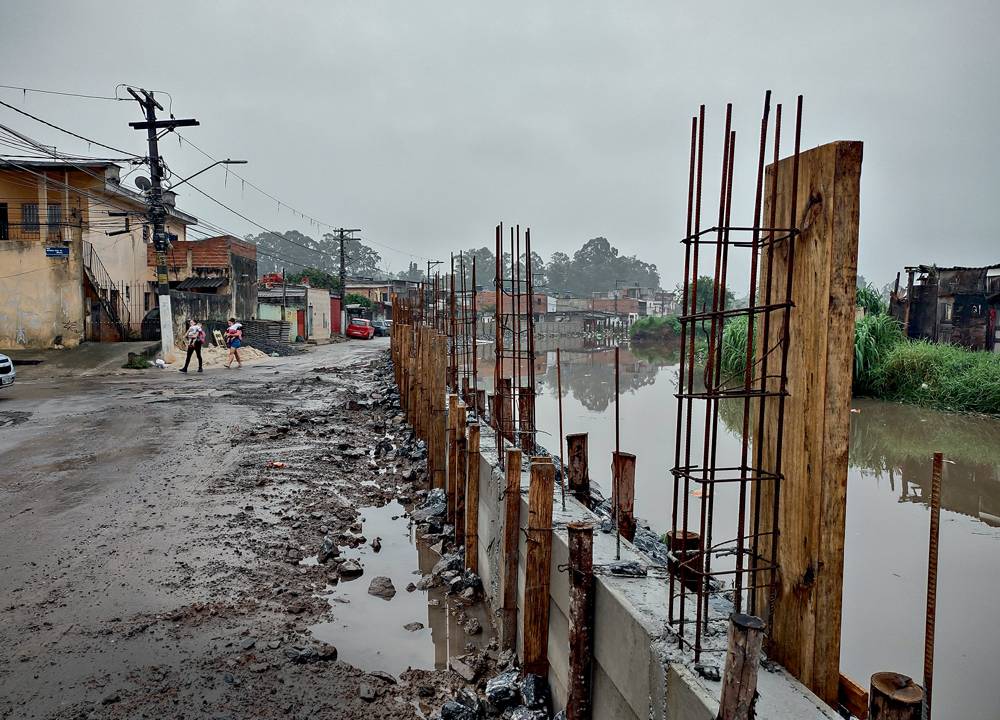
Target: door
{"x":301,"y":323}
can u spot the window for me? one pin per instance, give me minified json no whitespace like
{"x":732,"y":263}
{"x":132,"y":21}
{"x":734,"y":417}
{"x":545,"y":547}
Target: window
{"x":54,"y":214}
{"x":948,"y":309}
{"x":4,"y":232}
{"x":29,"y":216}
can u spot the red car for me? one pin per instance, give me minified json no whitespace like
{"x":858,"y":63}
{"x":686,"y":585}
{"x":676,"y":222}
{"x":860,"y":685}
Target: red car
{"x":360,"y":328}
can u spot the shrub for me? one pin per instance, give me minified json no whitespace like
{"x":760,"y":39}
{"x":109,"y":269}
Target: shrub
{"x":655,"y":328}
{"x":875,"y":336}
{"x":871,"y":301}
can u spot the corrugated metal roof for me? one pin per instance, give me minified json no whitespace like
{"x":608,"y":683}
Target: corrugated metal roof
{"x":196,"y":283}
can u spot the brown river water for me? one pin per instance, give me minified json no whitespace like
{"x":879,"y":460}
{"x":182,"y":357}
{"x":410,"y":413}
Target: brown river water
{"x":887,"y":514}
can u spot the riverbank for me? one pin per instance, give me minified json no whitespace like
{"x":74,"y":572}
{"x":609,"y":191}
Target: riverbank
{"x":888,"y":366}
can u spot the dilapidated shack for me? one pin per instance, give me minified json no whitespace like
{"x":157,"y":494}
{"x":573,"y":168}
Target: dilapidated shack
{"x":955,"y":305}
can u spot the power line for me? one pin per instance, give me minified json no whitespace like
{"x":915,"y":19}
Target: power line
{"x":281,"y":202}
{"x":60,"y":92}
{"x":69,"y":132}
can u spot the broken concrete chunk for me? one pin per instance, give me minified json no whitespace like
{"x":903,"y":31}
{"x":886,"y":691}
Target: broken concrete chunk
{"x":463,"y":669}
{"x":535,"y":692}
{"x":453,"y":710}
{"x":413,"y":626}
{"x":350,"y":570}
{"x":366,"y":692}
{"x":382,"y":587}
{"x":502,"y":691}
{"x":473,"y":627}
{"x":327,"y":550}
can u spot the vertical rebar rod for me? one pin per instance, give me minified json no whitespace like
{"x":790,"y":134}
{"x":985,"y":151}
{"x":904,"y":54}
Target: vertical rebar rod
{"x":785,"y":339}
{"x":498,"y":340}
{"x":516,"y":274}
{"x":681,"y":369}
{"x":615,"y":464}
{"x":765,"y":341}
{"x":562,"y":436}
{"x":530,"y":287}
{"x":692,"y":282}
{"x":932,"y":568}
{"x":475,"y":341}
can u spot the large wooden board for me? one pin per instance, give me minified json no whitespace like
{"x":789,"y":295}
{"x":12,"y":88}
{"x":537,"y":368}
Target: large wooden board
{"x":806,"y":613}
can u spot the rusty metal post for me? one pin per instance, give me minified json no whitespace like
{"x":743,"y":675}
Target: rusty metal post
{"x":616,"y":467}
{"x":932,"y":567}
{"x":581,"y":619}
{"x":739,"y":679}
{"x":578,"y":472}
{"x":511,"y":525}
{"x":538,"y":566}
{"x":562,"y":438}
{"x":461,"y":472}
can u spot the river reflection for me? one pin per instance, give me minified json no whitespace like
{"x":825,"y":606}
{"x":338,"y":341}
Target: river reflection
{"x":887,"y":517}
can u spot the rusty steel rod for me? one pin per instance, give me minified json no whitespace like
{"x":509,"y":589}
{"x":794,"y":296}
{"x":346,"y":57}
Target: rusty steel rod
{"x":932,"y":568}
{"x":615,"y":465}
{"x":562,"y":437}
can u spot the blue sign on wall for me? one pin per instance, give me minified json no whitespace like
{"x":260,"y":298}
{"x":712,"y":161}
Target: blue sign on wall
{"x":57,"y":252}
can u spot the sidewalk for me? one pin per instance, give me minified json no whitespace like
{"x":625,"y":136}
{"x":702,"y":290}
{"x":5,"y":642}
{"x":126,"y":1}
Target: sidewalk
{"x":86,"y":360}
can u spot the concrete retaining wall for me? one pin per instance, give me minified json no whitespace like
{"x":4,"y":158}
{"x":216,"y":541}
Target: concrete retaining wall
{"x":634,"y":677}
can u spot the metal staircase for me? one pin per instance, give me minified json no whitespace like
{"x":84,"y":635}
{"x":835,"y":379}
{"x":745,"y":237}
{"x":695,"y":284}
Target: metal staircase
{"x":108,"y":293}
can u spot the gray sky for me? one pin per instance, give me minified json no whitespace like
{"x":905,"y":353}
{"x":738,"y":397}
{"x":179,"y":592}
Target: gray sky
{"x":426,"y":123}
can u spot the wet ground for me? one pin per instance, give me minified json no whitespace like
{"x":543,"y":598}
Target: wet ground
{"x":158,"y":543}
{"x":887,"y":514}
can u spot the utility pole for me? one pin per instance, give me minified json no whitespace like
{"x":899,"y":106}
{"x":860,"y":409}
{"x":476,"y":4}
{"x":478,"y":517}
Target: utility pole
{"x":157,"y":213}
{"x":342,"y":235}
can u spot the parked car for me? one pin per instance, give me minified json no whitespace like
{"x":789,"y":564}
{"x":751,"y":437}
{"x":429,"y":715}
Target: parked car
{"x":360,"y":328}
{"x":383,"y":328}
{"x":7,"y":371}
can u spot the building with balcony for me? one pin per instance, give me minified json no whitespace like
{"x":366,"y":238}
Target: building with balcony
{"x":64,"y":277}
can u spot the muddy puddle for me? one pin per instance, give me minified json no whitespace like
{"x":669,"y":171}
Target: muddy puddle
{"x":369,"y":632}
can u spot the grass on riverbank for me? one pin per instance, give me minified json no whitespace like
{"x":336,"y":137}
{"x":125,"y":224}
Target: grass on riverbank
{"x":887,"y":366}
{"x":655,"y":329}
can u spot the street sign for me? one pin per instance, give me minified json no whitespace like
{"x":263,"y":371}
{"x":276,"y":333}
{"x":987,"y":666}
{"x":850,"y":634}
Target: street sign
{"x":57,"y":252}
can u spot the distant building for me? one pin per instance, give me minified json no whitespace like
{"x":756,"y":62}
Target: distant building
{"x":211,"y":280}
{"x":307,"y":309}
{"x":956,"y":305}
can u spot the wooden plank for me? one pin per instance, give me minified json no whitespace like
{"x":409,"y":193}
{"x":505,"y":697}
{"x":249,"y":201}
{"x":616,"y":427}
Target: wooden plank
{"x":452,"y":456}
{"x":462,"y":472}
{"x":577,"y":470}
{"x":623,"y":492}
{"x":472,"y":502}
{"x":538,"y":567}
{"x":806,"y":614}
{"x":739,"y":679}
{"x":581,"y":620}
{"x":853,"y":697}
{"x":511,"y":525}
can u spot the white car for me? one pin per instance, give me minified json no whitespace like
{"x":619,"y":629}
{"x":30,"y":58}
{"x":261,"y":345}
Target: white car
{"x":7,"y":371}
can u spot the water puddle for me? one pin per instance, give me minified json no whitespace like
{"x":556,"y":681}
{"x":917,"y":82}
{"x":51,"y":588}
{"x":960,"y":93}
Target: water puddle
{"x":369,"y":632}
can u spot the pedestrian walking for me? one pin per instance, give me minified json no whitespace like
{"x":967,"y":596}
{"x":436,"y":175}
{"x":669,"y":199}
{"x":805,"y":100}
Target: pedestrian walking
{"x":234,"y":339}
{"x":195,"y":337}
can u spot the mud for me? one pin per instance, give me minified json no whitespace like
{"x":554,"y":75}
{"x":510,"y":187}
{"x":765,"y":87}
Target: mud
{"x":160,"y":537}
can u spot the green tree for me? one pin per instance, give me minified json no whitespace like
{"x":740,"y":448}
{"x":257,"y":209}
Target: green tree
{"x":315,"y":278}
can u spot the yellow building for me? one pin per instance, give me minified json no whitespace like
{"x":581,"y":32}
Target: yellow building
{"x":63,"y":278}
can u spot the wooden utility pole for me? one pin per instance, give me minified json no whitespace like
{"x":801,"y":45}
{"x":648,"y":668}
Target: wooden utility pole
{"x":511,"y":525}
{"x":581,"y":620}
{"x":538,"y":568}
{"x":805,"y":618}
{"x":739,"y":679}
{"x":157,"y":212}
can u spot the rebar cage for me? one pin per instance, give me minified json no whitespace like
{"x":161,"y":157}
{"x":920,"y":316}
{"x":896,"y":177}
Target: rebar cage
{"x":709,"y":578}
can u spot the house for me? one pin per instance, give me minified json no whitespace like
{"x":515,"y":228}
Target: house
{"x":211,"y":280}
{"x":64,"y":278}
{"x":954,"y":305}
{"x":380,"y":292}
{"x":308,"y":309}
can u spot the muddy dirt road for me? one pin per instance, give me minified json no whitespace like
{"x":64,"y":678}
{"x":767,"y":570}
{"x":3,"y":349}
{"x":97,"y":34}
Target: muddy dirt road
{"x":159,"y":534}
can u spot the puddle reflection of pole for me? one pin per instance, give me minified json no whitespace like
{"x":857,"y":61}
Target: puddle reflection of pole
{"x":562,"y":437}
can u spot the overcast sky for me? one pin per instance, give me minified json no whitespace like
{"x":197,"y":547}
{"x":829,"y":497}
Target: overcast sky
{"x":427,"y":123}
